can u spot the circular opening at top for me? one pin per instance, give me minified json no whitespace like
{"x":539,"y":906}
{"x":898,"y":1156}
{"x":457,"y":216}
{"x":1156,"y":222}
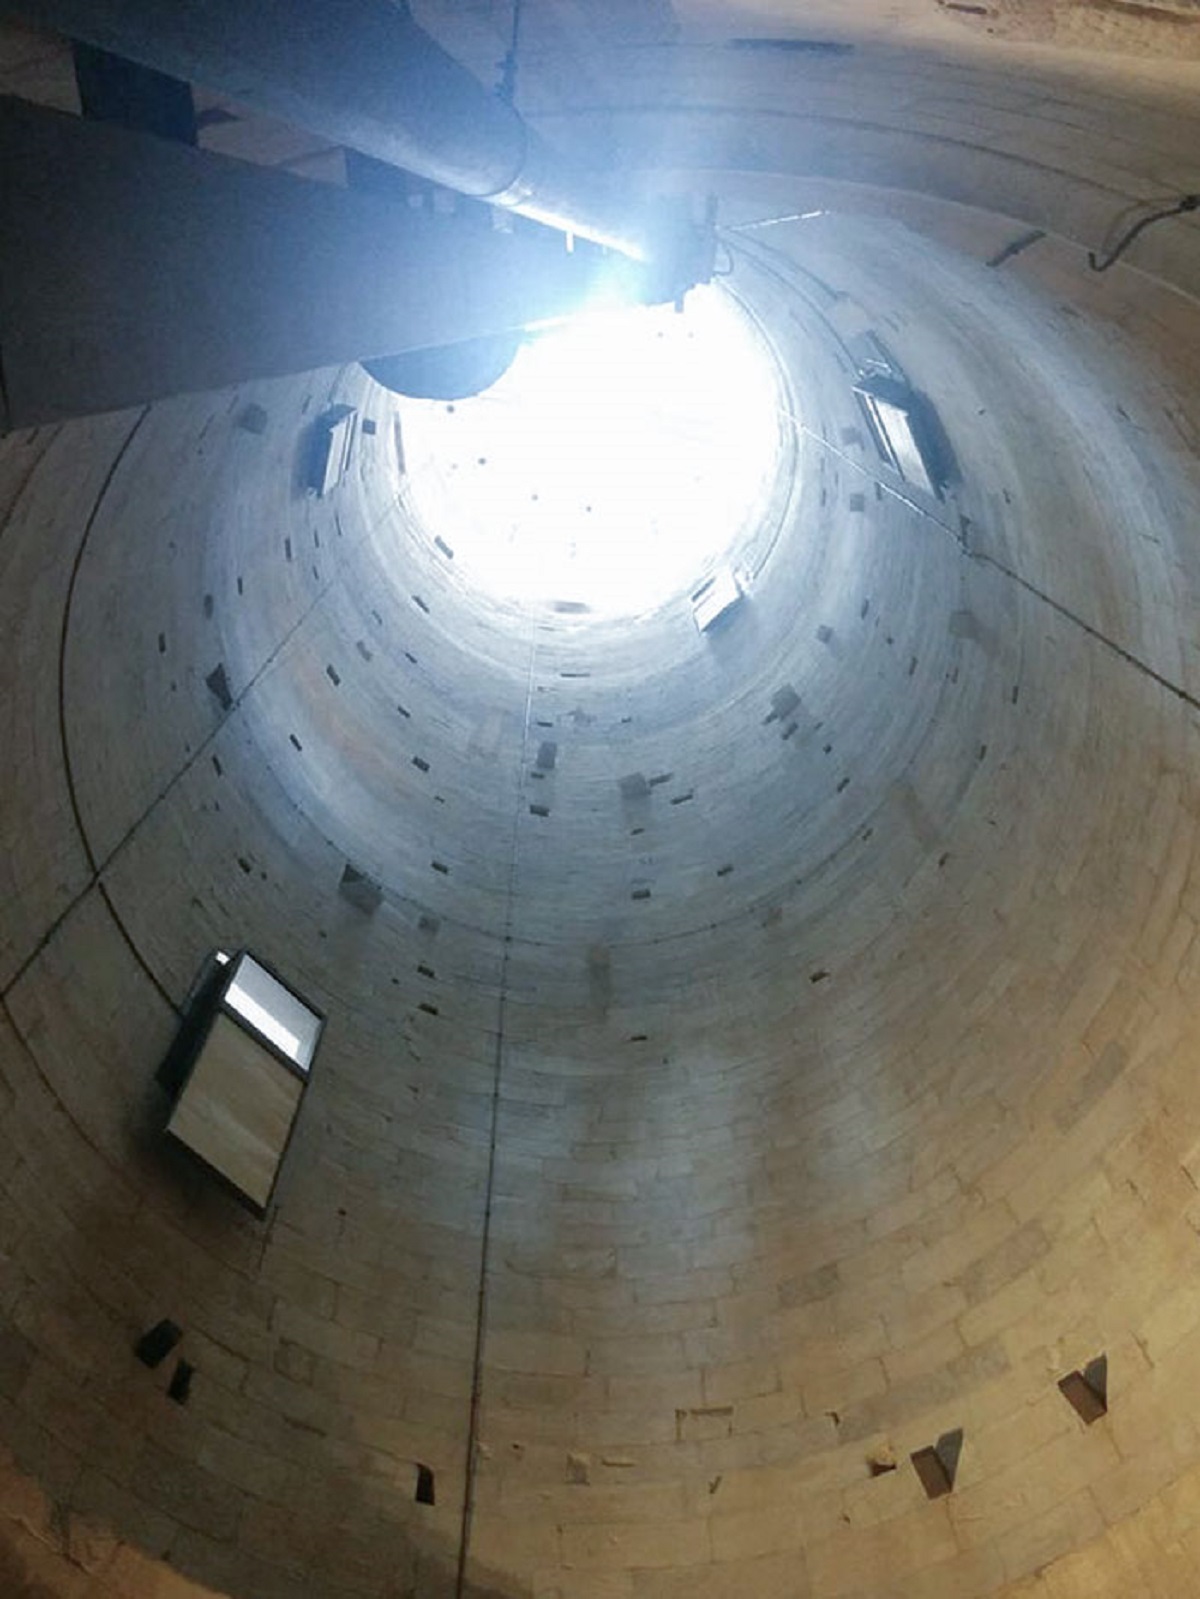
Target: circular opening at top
{"x":622,"y":458}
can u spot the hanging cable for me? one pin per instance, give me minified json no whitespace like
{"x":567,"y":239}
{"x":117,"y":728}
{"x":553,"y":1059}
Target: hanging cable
{"x":1189,"y":202}
{"x":507,"y":87}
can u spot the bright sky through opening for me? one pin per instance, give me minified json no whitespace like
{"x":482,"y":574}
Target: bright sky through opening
{"x":612,"y":466}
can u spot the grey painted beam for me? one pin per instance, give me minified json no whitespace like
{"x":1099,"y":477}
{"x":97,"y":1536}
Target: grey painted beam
{"x":363,"y":74}
{"x":132,"y":268}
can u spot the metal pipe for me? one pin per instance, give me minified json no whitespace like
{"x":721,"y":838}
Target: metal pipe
{"x":363,"y":74}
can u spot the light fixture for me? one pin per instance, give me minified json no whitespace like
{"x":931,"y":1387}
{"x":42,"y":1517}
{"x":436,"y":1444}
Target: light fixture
{"x":715,"y":598}
{"x":906,"y":430}
{"x":331,"y":444}
{"x":251,"y":1042}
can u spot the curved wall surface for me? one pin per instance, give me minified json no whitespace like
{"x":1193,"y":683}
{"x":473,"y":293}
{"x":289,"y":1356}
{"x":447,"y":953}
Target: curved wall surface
{"x":680,"y":1155}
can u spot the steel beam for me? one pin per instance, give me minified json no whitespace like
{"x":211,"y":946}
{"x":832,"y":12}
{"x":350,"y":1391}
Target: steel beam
{"x":363,"y":74}
{"x":132,"y":268}
{"x":112,"y":89}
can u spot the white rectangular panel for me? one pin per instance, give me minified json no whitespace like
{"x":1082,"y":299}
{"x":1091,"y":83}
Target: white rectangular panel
{"x":237,"y":1108}
{"x":264,"y":1002}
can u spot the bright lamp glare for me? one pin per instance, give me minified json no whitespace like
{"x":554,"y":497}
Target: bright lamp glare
{"x":616,"y":462}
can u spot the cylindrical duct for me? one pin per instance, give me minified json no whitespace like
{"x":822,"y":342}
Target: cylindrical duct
{"x":361,"y":73}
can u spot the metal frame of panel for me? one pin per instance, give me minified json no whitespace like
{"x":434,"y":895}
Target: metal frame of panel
{"x":198,"y":1130}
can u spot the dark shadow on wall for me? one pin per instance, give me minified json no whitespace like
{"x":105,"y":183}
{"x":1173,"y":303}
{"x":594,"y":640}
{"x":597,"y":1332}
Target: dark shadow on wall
{"x":48,"y":1552}
{"x":104,"y":1462}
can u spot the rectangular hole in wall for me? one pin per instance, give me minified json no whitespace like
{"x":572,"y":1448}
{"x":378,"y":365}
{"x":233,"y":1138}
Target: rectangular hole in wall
{"x":640,"y":893}
{"x":153,"y":1347}
{"x":421,"y":765}
{"x":253,"y":418}
{"x":217,"y":684}
{"x":181,"y":1382}
{"x":784,"y":702}
{"x":937,"y":1466}
{"x":1086,"y":1405}
{"x":539,"y":810}
{"x":430,"y":1010}
{"x":1086,"y":1391}
{"x":440,"y":866}
{"x":933,"y":1475}
{"x":682,"y":799}
{"x":362,"y":890}
{"x":332,"y":675}
{"x":425,"y":1487}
